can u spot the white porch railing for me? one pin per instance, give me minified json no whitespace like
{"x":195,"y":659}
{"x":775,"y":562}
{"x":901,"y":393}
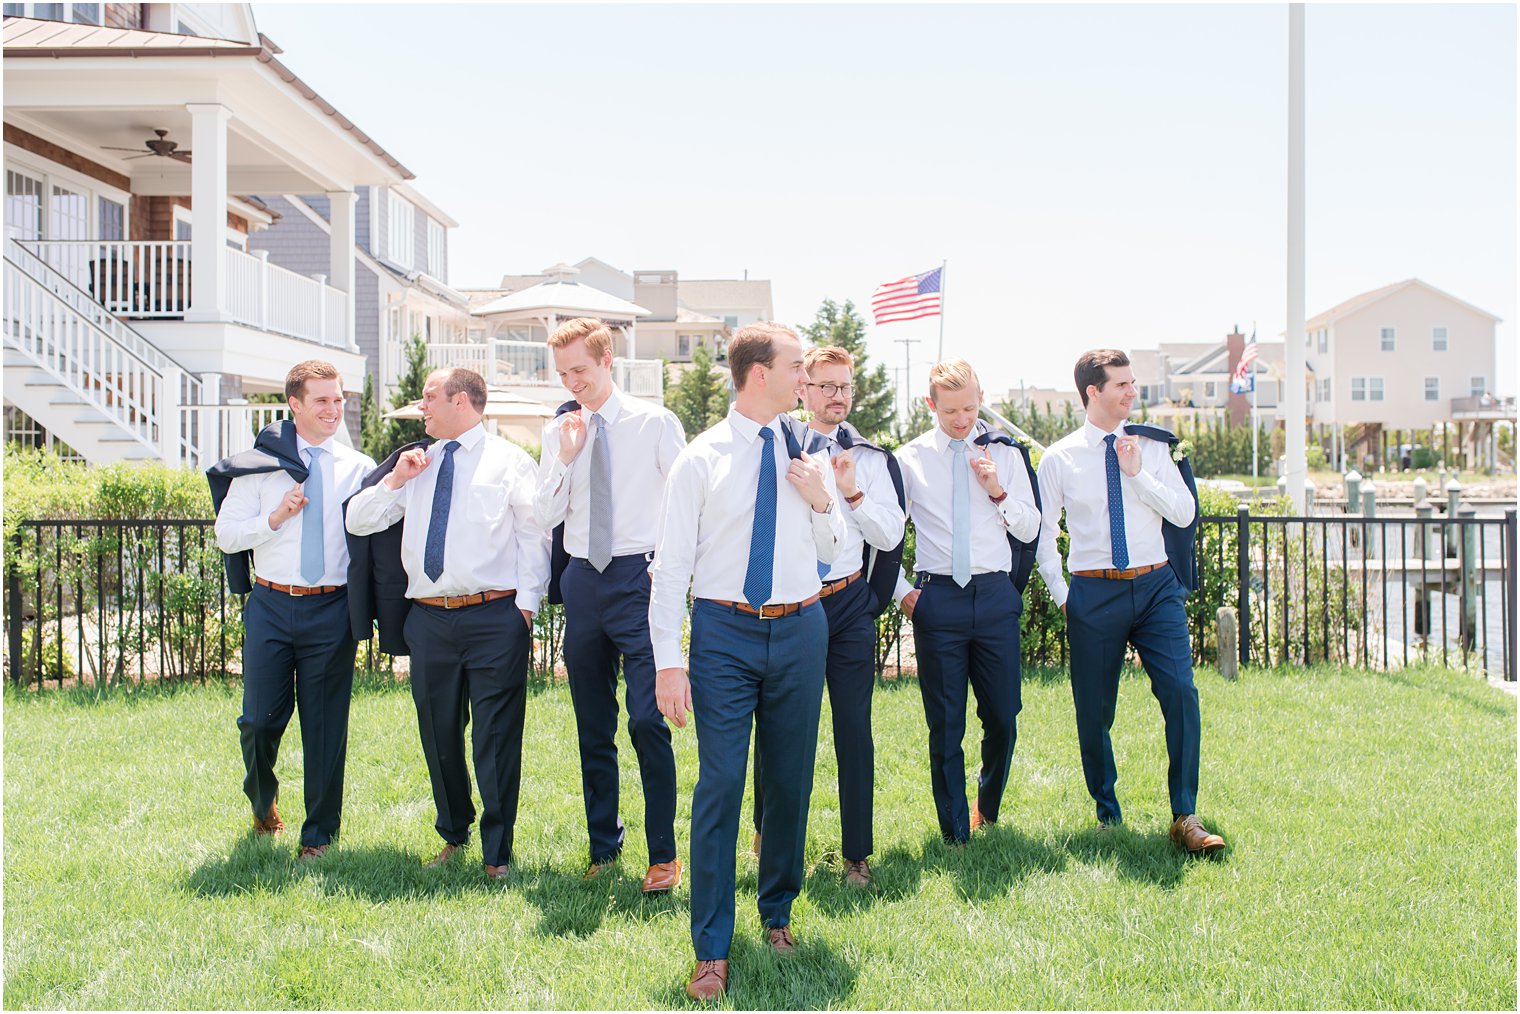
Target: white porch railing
{"x":151,"y":280}
{"x":507,"y":363}
{"x":640,"y":377}
{"x":213,"y":432}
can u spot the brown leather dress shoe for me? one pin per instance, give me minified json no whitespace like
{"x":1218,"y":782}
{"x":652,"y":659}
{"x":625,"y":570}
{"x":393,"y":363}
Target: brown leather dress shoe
{"x":444,"y":855}
{"x":755,"y":845}
{"x":662,"y":877}
{"x":496,"y":872}
{"x":857,"y":873}
{"x":310,"y":852}
{"x":1189,"y":833}
{"x":709,"y":980}
{"x":780,"y":939}
{"x":271,"y":824}
{"x":977,"y":820}
{"x":595,"y":870}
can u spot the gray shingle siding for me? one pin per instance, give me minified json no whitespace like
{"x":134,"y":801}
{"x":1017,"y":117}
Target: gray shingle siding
{"x":380,"y":220}
{"x":321,"y":205}
{"x":294,"y":242}
{"x":367,"y":318}
{"x":362,"y":217}
{"x":419,"y":248}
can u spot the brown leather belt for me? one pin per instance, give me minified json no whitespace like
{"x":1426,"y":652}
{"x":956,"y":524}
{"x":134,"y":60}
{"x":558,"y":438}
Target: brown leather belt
{"x":770,"y":612}
{"x":1119,"y":575}
{"x":838,"y":586}
{"x":297,"y":590}
{"x":460,"y":601}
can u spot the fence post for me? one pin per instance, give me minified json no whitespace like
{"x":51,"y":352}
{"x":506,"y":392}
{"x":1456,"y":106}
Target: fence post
{"x":1353,"y":491}
{"x":1469,"y":535}
{"x":1509,"y":577}
{"x":1243,"y":579}
{"x":13,"y":605}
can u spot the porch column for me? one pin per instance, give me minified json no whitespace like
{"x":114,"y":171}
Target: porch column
{"x":208,"y":210}
{"x":340,"y":254}
{"x":633,"y":339}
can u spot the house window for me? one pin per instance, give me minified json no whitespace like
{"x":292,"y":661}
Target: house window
{"x":730,"y":321}
{"x":1145,"y":393}
{"x":1374,"y":388}
{"x":23,"y":204}
{"x":84,"y":14}
{"x":400,"y":243}
{"x":1324,"y":340}
{"x":68,"y":214}
{"x":1210,"y":389}
{"x":683,"y":345}
{"x":112,"y":219}
{"x":1438,"y":339}
{"x":436,"y":239}
{"x":1358,"y":388}
{"x":1479,"y":387}
{"x":1432,"y":388}
{"x":1386,"y":339}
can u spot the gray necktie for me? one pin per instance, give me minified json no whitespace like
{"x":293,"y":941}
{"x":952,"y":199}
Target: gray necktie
{"x":313,"y":548}
{"x":599,"y":552}
{"x":960,"y":514}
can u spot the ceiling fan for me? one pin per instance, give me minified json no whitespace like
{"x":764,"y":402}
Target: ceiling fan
{"x":159,"y":146}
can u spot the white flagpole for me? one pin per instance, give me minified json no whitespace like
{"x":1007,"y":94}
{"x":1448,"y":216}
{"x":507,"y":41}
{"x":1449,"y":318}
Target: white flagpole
{"x":942,"y":272}
{"x":1293,"y":406}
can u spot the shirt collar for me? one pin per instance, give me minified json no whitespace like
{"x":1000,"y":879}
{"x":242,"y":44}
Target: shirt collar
{"x":831,"y":434}
{"x":610,"y":410}
{"x":302,"y":444}
{"x":1094,"y":436}
{"x":746,"y":428}
{"x":469,"y":439}
{"x":942,"y":439}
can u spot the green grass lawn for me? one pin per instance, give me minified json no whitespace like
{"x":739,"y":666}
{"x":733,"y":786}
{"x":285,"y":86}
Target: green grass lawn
{"x":1371,"y":820}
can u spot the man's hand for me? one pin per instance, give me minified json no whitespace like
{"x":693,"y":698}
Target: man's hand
{"x":672,"y":693}
{"x":1128,"y":450}
{"x":408,"y":467}
{"x":844,"y":474}
{"x":528,"y":619}
{"x":910,"y":602}
{"x":1063,"y":608}
{"x":289,"y":507}
{"x":806,"y":475}
{"x":985,"y":471}
{"x":572,"y":436}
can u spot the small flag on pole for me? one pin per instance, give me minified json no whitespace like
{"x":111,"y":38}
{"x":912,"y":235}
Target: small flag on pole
{"x":907,"y":298}
{"x":1243,"y":380}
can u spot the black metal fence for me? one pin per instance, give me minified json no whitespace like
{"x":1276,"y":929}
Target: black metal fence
{"x":104,"y":602}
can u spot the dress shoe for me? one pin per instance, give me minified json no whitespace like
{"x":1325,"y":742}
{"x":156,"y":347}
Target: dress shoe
{"x":310,"y":852}
{"x":444,"y":855}
{"x":595,"y":870}
{"x":271,"y":824}
{"x":662,"y":877}
{"x":496,"y":872}
{"x":755,"y":845}
{"x":1189,"y":833}
{"x":709,"y":980}
{"x":857,"y":873}
{"x":977,"y":820}
{"x":780,"y":939}
{"x":1106,"y":828}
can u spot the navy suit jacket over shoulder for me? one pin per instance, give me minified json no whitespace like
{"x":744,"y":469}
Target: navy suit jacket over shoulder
{"x":881,"y":568}
{"x":1181,"y":551}
{"x":1023,"y":552}
{"x":274,"y":450}
{"x":377,"y":579}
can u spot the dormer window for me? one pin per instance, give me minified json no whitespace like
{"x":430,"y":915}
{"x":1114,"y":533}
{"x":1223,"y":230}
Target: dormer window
{"x":400,"y":242}
{"x":81,"y":14}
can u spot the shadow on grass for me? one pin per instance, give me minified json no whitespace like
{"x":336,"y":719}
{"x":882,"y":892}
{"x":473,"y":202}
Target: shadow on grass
{"x":814,"y":978}
{"x":571,"y":906}
{"x":1147,"y":857}
{"x":895,"y":875}
{"x":1472,"y":695}
{"x":992,"y":862}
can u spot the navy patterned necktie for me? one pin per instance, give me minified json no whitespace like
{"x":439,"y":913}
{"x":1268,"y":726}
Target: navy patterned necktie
{"x":1115,"y":504}
{"x":438,"y":521}
{"x":762,"y":536}
{"x":821,"y":443}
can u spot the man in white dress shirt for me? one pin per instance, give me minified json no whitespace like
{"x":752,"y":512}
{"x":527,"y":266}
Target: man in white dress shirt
{"x":747,"y":544}
{"x":602,"y":475}
{"x":298,"y":651}
{"x":967,"y":493}
{"x":477,"y":563}
{"x":1117,"y":489}
{"x":874,"y":525}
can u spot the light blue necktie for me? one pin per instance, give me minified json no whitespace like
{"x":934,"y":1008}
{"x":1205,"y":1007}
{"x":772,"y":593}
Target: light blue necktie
{"x":313,"y":548}
{"x":599,"y":548}
{"x":1115,"y":505}
{"x":762,"y":536}
{"x":821,"y":442}
{"x":438,"y":521}
{"x":960,"y":514}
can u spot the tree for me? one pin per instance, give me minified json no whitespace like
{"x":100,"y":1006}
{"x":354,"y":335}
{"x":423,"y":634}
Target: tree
{"x":872,"y":412}
{"x":699,"y":398}
{"x":918,"y":422}
{"x":379,"y":436}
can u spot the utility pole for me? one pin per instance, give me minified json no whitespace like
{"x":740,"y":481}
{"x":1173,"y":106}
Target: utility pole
{"x":907,"y":387}
{"x":1295,"y":466}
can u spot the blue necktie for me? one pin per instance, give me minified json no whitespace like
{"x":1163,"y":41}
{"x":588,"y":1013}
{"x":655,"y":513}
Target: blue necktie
{"x":960,"y":514}
{"x":821,"y":442}
{"x":762,"y":537}
{"x":1115,"y":505}
{"x":438,"y":521}
{"x":599,"y":531}
{"x":313,"y":553}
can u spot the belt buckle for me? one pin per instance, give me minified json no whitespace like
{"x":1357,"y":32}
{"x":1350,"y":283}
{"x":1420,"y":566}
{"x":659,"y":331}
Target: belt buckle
{"x":448,"y":601}
{"x":777,"y":611}
{"x":296,"y":591}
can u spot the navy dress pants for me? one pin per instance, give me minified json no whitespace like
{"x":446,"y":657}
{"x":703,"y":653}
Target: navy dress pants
{"x":1150,"y":613}
{"x":471,"y":664}
{"x":769,"y":673}
{"x":607,"y":624}
{"x":851,"y":676}
{"x":967,"y":636}
{"x":297,"y":653}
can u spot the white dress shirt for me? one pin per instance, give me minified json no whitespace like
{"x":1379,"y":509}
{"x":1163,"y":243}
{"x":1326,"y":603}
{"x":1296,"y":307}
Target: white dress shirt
{"x":875,"y":518}
{"x":243,"y":521}
{"x":643,"y":441}
{"x":1073,"y":475}
{"x":705,"y":525}
{"x":493,"y":540}
{"x":927,"y":461}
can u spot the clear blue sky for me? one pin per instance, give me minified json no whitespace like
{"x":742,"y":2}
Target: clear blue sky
{"x":1109,"y":175}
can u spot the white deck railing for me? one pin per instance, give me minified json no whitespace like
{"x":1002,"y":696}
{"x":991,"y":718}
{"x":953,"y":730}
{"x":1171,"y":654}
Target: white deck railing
{"x":523,"y":364}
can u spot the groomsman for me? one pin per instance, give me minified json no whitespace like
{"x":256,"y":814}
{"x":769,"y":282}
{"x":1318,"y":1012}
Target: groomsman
{"x":605,"y":585}
{"x":477,"y":563}
{"x":967,"y":493}
{"x":869,"y":486}
{"x":1119,"y":490}
{"x":284,"y":502}
{"x":746,"y":518}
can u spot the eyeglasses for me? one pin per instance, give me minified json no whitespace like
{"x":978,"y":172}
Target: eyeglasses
{"x":830,"y":390}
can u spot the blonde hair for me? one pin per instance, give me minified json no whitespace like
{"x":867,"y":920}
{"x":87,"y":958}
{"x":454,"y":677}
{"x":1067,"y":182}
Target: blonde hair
{"x":752,"y":346}
{"x":308,"y":369}
{"x":952,"y":375}
{"x":596,"y":335}
{"x":827,"y":355}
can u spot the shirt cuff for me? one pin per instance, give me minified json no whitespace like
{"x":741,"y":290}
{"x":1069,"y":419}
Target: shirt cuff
{"x":668,"y":656}
{"x":528,"y":601}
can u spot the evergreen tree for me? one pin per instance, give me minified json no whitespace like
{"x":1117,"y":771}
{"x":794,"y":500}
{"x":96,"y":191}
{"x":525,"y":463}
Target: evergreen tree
{"x":919,"y":421}
{"x":371,"y":425}
{"x":872,"y":412}
{"x":699,"y":398}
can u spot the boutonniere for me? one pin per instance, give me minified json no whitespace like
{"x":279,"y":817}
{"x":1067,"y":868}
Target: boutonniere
{"x":1181,"y":449}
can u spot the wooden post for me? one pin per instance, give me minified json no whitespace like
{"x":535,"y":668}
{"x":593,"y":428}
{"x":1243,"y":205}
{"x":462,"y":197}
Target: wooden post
{"x":1229,"y":661}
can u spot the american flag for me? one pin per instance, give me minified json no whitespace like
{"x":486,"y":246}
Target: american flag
{"x":907,"y":298}
{"x":1243,"y":380}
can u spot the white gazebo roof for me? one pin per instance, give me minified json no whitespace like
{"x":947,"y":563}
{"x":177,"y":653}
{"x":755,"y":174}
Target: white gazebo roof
{"x":562,"y":298}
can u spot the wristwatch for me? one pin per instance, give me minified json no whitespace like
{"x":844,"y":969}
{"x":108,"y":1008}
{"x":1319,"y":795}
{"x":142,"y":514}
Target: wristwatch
{"x":827,"y":510}
{"x":853,"y":500}
{"x":998,"y":499}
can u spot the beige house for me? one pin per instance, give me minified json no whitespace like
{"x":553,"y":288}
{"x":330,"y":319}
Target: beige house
{"x":1402,"y":357}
